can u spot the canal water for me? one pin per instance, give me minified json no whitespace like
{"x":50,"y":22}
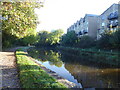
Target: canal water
{"x":74,"y":69}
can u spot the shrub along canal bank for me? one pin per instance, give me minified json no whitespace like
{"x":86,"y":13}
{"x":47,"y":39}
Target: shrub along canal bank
{"x":104,"y":57}
{"x":32,"y":75}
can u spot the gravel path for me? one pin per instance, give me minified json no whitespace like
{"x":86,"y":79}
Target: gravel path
{"x":9,"y":70}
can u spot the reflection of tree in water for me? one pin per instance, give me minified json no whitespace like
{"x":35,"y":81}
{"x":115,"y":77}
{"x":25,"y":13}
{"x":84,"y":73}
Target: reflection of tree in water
{"x":46,"y":55}
{"x":91,"y":75}
{"x":111,"y":78}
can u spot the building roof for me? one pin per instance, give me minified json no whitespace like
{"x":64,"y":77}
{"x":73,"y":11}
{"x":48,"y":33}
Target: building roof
{"x":91,"y":15}
{"x":110,"y":7}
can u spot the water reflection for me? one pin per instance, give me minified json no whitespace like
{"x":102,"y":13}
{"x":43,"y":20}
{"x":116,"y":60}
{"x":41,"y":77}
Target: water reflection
{"x":78,"y":70}
{"x":52,"y":61}
{"x":49,"y":55}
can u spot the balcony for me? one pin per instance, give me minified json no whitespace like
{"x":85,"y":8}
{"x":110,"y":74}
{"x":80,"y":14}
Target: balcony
{"x":85,"y":31}
{"x":80,"y":33}
{"x":108,"y":25}
{"x":113,"y":16}
{"x":114,"y":24}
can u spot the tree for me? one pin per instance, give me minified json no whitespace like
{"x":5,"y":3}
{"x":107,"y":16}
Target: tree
{"x":69,"y":39}
{"x":20,"y":19}
{"x":103,"y":42}
{"x":55,"y":36}
{"x":49,"y":38}
{"x":115,"y":40}
{"x":84,"y":40}
{"x":109,"y":40}
{"x":28,"y":40}
{"x":43,"y":38}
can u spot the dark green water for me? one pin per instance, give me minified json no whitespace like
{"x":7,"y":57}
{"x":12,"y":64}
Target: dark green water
{"x":74,"y":69}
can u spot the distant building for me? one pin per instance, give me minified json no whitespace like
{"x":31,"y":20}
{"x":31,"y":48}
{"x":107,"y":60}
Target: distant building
{"x":86,"y":26}
{"x":90,"y":25}
{"x":95,"y":25}
{"x":108,"y":20}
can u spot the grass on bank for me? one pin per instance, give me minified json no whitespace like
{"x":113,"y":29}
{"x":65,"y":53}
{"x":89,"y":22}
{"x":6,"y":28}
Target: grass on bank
{"x":32,"y":76}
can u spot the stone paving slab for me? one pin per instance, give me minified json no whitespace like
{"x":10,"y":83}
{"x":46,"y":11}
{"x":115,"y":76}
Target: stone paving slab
{"x":9,"y":70}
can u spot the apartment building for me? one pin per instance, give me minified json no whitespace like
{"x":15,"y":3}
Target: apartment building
{"x":95,"y":25}
{"x":108,"y":20}
{"x":90,"y":25}
{"x":86,"y":26}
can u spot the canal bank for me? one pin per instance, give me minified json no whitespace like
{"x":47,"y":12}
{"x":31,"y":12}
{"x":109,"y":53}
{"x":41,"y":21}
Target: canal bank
{"x":58,"y":78}
{"x":77,"y":69}
{"x":98,"y":56}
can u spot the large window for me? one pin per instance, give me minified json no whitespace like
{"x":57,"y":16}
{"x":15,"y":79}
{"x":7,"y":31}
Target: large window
{"x":87,"y":23}
{"x":103,"y":24}
{"x":87,"y":29}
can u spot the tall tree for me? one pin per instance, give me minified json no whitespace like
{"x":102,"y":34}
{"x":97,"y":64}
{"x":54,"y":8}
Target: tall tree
{"x":55,"y":36}
{"x":49,"y":38}
{"x":69,"y":39}
{"x":20,"y":20}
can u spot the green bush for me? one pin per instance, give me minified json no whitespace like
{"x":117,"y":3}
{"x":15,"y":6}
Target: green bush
{"x":84,"y":40}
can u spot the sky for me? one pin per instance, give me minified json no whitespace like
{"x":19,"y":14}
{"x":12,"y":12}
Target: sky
{"x":61,"y":14}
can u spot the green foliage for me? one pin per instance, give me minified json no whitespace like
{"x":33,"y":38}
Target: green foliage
{"x":115,"y":40}
{"x":49,"y":38}
{"x":55,"y":36}
{"x":69,"y":39}
{"x":32,"y":76}
{"x":109,"y":40}
{"x":103,"y":42}
{"x":43,"y":38}
{"x":20,"y":20}
{"x":27,"y":41}
{"x":84,"y":40}
{"x":8,"y":39}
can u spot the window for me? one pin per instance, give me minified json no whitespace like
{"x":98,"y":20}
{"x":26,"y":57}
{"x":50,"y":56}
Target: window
{"x":103,"y":17}
{"x":103,"y":24}
{"x":111,"y":22}
{"x":87,"y":29}
{"x":116,"y":21}
{"x":87,"y":23}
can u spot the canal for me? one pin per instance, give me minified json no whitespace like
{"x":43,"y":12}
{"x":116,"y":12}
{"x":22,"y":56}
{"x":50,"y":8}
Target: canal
{"x":77,"y":70}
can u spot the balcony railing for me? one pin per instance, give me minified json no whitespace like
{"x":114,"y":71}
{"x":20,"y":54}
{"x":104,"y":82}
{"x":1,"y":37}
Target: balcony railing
{"x":114,"y":24}
{"x":108,"y":25}
{"x":80,"y":33}
{"x":113,"y":16}
{"x":85,"y":31}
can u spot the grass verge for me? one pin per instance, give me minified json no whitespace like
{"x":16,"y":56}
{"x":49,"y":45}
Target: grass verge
{"x":32,"y":76}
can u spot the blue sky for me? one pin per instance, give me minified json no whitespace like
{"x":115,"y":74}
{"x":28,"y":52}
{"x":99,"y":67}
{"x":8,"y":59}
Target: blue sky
{"x":60,"y":14}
